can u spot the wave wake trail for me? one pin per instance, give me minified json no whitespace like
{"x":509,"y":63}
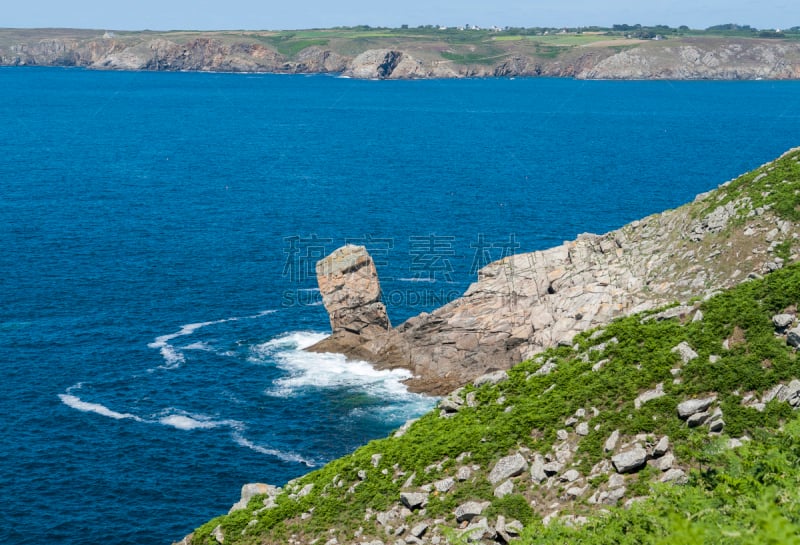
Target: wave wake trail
{"x":174,"y":357}
{"x":86,"y":407}
{"x":183,"y":421}
{"x":241,"y":440}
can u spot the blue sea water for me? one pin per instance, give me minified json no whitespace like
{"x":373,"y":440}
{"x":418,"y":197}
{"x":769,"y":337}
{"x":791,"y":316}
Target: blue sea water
{"x":158,"y":233}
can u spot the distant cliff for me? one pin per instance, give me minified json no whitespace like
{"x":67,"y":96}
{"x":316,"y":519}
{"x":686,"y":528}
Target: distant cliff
{"x":404,"y":57}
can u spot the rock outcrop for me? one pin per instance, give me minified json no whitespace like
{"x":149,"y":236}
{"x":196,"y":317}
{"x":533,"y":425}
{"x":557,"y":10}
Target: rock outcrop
{"x":351,"y":293}
{"x":526,"y":303}
{"x":700,"y":59}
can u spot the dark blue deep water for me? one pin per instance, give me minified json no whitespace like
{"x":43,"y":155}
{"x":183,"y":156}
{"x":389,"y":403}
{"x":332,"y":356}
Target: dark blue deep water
{"x":158,"y":233}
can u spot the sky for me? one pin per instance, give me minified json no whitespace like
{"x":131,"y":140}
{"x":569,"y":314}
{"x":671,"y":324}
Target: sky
{"x":300,"y":14}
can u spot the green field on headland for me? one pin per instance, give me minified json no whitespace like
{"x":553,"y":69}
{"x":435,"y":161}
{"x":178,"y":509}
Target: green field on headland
{"x":724,"y":52}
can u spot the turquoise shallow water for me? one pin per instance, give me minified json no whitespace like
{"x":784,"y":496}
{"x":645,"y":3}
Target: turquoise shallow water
{"x":158,"y":234}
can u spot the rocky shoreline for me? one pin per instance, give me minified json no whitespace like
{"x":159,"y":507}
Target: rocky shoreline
{"x":602,"y":414}
{"x":673,"y":59}
{"x":526,"y":303}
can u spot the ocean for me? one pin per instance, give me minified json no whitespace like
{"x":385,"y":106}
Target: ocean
{"x":158,"y":234}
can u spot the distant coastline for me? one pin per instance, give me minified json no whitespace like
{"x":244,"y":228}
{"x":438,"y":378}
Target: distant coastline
{"x":629,"y":53}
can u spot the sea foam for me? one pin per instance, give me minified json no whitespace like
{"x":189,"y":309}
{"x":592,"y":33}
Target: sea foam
{"x":86,"y":407}
{"x":325,"y":370}
{"x":183,"y":420}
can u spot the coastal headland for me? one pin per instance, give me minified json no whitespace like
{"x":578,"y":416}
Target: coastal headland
{"x":379,"y":53}
{"x":655,"y":402}
{"x":527,"y":303}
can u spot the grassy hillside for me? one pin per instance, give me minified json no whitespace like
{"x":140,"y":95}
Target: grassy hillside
{"x":428,"y":43}
{"x":547,"y":452}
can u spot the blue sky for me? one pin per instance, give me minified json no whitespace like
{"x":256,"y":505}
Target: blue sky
{"x":251,"y":14}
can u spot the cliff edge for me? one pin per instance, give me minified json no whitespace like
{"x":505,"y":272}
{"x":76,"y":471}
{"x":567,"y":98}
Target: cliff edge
{"x":406,"y":55}
{"x":529,"y":302}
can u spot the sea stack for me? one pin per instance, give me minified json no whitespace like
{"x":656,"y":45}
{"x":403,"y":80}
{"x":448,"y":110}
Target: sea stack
{"x":351,"y":293}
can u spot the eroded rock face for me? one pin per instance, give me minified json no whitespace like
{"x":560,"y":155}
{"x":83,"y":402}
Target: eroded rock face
{"x":688,"y":58}
{"x":526,"y":303}
{"x":351,"y":293}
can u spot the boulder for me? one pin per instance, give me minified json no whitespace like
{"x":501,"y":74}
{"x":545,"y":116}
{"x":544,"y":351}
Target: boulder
{"x":776,"y":392}
{"x":508,"y":467}
{"x":611,"y":442}
{"x":471,"y":509}
{"x":479,"y":531}
{"x":674,"y":475}
{"x":414,"y":500}
{"x":698,"y":418}
{"x":254,"y":489}
{"x":449,"y":405}
{"x":491,"y":378}
{"x":693,"y":406}
{"x":793,"y":337}
{"x":507,"y":530}
{"x":666,"y":462}
{"x":504,"y":489}
{"x":582,"y":429}
{"x":685,"y":352}
{"x":661,"y":447}
{"x":649,"y":395}
{"x":537,"y":469}
{"x":445,"y":485}
{"x":305,"y":491}
{"x":552,"y":468}
{"x":616,"y":480}
{"x":570,"y":476}
{"x":630,"y":460}
{"x":419,"y":529}
{"x":791,"y":393}
{"x":782,"y":321}
{"x":613,"y":496}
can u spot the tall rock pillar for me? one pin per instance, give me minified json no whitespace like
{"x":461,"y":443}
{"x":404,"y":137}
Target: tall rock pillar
{"x":351,"y":293}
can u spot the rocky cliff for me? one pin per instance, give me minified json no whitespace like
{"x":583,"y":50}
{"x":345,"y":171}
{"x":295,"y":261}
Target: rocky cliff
{"x":527,"y":303}
{"x":679,"y":58}
{"x":675,"y":425}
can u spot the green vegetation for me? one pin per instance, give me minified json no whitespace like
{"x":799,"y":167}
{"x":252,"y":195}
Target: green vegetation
{"x":472,"y":58}
{"x":758,"y":484}
{"x":775,"y":186}
{"x":745,"y":496}
{"x":289,"y":44}
{"x":749,"y":494}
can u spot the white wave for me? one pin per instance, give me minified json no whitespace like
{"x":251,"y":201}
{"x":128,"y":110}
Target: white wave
{"x":315,"y":290}
{"x":173,"y":357}
{"x":415,"y":279}
{"x":186,"y":423}
{"x":285,"y":456}
{"x":183,"y":420}
{"x":86,"y":407}
{"x":325,"y":370}
{"x":200,"y":345}
{"x":297,"y":340}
